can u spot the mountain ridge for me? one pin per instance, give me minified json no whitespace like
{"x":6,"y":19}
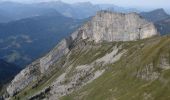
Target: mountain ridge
{"x":160,"y":18}
{"x":14,"y":11}
{"x":63,"y":57}
{"x":155,"y":15}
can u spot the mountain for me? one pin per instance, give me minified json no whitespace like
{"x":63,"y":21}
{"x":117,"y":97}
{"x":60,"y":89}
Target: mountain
{"x":7,"y":70}
{"x":160,"y":18}
{"x":95,"y":62}
{"x":24,"y":40}
{"x":11,"y":11}
{"x":81,"y":10}
{"x":77,"y":10}
{"x":155,"y":15}
{"x":4,"y":16}
{"x":125,"y":28}
{"x":163,"y":26}
{"x":115,"y":8}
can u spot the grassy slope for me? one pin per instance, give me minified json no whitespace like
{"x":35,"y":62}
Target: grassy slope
{"x":46,"y":81}
{"x":83,"y":55}
{"x":120,"y":82}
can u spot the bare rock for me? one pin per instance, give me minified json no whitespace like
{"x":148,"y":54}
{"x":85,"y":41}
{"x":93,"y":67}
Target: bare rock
{"x":109,"y":26}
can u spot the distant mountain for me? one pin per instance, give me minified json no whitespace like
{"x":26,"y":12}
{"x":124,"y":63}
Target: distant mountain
{"x":10,"y":11}
{"x":4,"y":16}
{"x":7,"y":70}
{"x":160,"y":18}
{"x":164,"y":26}
{"x":25,"y":40}
{"x":115,"y":8}
{"x":83,"y":9}
{"x":155,"y":15}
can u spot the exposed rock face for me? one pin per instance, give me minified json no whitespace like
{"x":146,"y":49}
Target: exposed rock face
{"x":109,"y":26}
{"x":24,"y":78}
{"x":37,"y":68}
{"x":105,"y":26}
{"x":59,"y":51}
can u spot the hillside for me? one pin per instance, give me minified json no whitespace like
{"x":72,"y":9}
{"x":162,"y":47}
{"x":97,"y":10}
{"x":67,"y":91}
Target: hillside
{"x":160,"y":18}
{"x":141,"y":73}
{"x":155,"y":15}
{"x":95,"y":58}
{"x":7,"y":71}
{"x":163,"y":26}
{"x":24,"y":40}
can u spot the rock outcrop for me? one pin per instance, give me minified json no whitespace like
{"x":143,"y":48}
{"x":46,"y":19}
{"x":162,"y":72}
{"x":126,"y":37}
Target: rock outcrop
{"x":34,"y":71}
{"x":24,"y":78}
{"x":109,"y":26}
{"x":61,"y":49}
{"x":105,"y":26}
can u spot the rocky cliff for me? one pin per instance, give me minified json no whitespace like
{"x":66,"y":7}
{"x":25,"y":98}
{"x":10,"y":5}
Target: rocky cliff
{"x":109,"y":26}
{"x":68,"y":67}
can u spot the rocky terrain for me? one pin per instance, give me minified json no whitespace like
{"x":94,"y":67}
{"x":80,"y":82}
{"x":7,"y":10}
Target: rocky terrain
{"x":112,"y":56}
{"x":108,"y":26}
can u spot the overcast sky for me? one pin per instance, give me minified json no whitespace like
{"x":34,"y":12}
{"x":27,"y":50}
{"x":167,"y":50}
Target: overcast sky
{"x":131,"y":3}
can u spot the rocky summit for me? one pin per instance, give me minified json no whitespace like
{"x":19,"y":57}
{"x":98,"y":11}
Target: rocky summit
{"x":88,"y":56}
{"x":109,"y":26}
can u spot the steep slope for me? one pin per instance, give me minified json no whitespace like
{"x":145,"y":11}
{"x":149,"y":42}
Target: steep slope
{"x":155,"y":15}
{"x":24,"y":40}
{"x":109,"y":26}
{"x":81,"y":58}
{"x":142,"y":73}
{"x":160,"y":18}
{"x":163,"y":26}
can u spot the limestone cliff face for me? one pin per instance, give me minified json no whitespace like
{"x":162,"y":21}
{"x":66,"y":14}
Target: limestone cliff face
{"x":105,"y":26}
{"x":61,"y":49}
{"x":24,"y":78}
{"x":109,"y":26}
{"x":34,"y":71}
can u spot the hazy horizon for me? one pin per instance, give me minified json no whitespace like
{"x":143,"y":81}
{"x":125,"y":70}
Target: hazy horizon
{"x":123,"y":3}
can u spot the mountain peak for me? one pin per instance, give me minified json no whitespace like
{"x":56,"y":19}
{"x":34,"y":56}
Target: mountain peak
{"x":104,"y":12}
{"x":86,"y":4}
{"x":155,"y":15}
{"x":106,"y":27}
{"x":112,"y":26}
{"x":159,"y":10}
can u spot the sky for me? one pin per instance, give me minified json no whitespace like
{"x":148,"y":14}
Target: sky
{"x":123,"y":3}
